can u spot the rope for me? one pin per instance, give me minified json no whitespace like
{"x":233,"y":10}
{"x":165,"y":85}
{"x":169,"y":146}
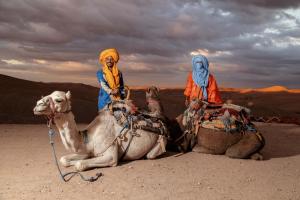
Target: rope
{"x":64,"y":175}
{"x":267,"y":120}
{"x":180,"y":137}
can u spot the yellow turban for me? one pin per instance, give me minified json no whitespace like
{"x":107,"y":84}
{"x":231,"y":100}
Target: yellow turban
{"x":108,"y":52}
{"x":112,"y":76}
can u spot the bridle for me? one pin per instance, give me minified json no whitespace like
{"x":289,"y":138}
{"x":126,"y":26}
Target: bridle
{"x":51,"y":133}
{"x":54,"y":113}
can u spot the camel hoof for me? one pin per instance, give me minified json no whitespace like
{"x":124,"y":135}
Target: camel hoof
{"x":80,"y":166}
{"x":64,"y":162}
{"x":257,"y":156}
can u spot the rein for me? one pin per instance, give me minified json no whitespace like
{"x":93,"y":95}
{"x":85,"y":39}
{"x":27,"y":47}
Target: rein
{"x":63,"y":176}
{"x":51,"y":133}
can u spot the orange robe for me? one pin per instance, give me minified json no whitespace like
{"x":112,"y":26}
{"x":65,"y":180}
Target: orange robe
{"x":193,"y":91}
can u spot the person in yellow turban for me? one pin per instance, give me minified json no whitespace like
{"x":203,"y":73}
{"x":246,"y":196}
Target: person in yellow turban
{"x":110,"y":78}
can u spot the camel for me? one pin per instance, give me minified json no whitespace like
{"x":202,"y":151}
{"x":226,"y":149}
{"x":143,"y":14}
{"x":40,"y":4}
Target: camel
{"x":153,"y":101}
{"x":104,"y":142}
{"x":240,"y":145}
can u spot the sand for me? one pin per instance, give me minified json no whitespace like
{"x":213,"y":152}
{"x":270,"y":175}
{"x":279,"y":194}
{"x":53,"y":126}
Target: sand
{"x":27,"y":171}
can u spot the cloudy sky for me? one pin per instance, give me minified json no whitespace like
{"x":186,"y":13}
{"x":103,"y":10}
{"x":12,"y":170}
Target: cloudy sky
{"x":249,"y":43}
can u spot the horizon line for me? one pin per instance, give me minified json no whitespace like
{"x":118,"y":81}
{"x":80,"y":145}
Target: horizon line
{"x":162,"y":87}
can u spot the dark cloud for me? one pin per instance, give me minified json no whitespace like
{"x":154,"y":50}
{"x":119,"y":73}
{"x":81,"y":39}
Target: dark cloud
{"x":273,"y":4}
{"x":154,"y":37}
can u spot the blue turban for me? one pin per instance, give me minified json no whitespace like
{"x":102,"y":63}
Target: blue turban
{"x":201,"y":73}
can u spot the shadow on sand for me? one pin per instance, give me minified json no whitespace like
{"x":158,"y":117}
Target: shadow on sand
{"x":283,"y":141}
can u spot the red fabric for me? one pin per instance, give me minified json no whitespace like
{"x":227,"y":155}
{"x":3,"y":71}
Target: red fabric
{"x":193,"y":91}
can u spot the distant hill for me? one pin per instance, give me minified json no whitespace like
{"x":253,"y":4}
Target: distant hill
{"x":18,"y":97}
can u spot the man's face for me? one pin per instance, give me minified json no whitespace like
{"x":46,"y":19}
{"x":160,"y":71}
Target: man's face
{"x":199,"y":66}
{"x":109,"y":61}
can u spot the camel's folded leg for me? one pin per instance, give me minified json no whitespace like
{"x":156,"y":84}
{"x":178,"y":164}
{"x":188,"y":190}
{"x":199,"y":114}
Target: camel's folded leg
{"x":70,"y":159}
{"x":158,"y":149}
{"x":200,"y":149}
{"x":107,"y":159}
{"x":249,"y":145}
{"x":257,"y":156}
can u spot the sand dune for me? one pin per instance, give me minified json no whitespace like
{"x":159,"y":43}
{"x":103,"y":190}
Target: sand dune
{"x":274,"y":89}
{"x":268,"y":89}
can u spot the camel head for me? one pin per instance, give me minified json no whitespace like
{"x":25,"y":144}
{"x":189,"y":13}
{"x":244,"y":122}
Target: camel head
{"x":152,"y":93}
{"x":56,"y":102}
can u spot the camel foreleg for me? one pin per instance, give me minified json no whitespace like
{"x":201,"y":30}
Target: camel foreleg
{"x":107,"y":159}
{"x":158,"y":149}
{"x":248,"y":145}
{"x":200,"y":149}
{"x":71,"y":159}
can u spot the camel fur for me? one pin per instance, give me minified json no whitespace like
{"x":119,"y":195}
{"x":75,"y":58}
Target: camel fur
{"x":103,"y":144}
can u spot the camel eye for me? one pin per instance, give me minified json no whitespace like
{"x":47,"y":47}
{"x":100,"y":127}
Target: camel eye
{"x":58,"y":100}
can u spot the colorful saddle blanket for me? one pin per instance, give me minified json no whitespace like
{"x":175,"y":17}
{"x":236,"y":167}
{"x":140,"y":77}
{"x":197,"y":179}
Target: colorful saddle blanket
{"x":228,"y":117}
{"x":138,"y":119}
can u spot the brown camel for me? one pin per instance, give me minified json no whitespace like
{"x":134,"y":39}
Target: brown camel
{"x":238,"y":144}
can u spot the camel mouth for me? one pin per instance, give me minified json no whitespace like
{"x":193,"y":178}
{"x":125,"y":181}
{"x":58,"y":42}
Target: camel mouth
{"x":37,"y":113}
{"x":40,"y":111}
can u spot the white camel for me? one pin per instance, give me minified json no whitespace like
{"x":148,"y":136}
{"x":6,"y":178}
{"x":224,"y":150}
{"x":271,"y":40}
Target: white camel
{"x":102,"y":143}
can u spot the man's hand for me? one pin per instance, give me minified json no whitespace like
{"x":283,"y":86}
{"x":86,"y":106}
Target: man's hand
{"x":114,"y":92}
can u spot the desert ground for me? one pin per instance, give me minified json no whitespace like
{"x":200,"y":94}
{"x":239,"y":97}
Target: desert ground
{"x":27,"y":171}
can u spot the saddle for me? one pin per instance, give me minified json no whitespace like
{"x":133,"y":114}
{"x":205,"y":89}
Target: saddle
{"x":138,"y":119}
{"x":226,"y":117}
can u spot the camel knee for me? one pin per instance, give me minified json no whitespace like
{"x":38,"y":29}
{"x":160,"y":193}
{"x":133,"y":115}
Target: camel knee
{"x":155,"y":152}
{"x":64,"y":161}
{"x":234,"y":153}
{"x":114,"y":161}
{"x":199,"y":149}
{"x":158,"y":149}
{"x":151,"y":156}
{"x":80,"y":166}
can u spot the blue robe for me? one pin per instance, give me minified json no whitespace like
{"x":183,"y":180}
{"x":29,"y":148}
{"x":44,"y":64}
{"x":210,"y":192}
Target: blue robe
{"x":104,"y":97}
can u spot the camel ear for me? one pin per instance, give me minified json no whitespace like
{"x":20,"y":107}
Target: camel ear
{"x":157,"y":88}
{"x":68,"y":95}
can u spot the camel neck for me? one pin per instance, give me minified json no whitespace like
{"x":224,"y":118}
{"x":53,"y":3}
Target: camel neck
{"x":68,"y":130}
